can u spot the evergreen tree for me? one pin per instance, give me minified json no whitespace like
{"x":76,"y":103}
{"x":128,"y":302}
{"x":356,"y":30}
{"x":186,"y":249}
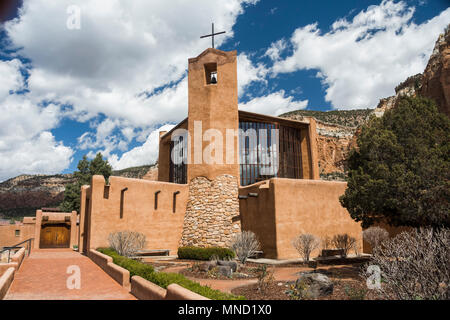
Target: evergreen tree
{"x":86,"y":169}
{"x":400,"y":172}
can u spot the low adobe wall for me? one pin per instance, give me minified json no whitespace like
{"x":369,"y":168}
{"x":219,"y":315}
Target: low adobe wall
{"x":5,"y":281}
{"x":129,"y":204}
{"x":9,"y":237}
{"x":140,"y":287}
{"x":284,"y":208}
{"x":146,"y":290}
{"x":15,"y":262}
{"x":121,"y":275}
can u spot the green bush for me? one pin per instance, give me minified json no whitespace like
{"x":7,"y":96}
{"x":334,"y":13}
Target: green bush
{"x":163,"y":279}
{"x":197,"y":253}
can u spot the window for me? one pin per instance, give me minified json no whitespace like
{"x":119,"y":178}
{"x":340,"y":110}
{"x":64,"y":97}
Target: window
{"x":17,"y":233}
{"x":211,"y":73}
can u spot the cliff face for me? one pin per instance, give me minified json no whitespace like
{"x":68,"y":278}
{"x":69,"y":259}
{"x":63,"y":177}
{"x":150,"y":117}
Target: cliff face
{"x":436,"y":77}
{"x":22,"y":195}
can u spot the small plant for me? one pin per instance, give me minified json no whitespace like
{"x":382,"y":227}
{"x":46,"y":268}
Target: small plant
{"x":298,"y":291}
{"x":375,"y":236}
{"x":245,"y":245}
{"x":355,"y":293}
{"x":344,"y":242}
{"x":127,"y":243}
{"x":305,"y":244}
{"x":265,"y":278}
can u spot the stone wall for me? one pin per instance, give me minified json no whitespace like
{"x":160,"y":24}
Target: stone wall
{"x":211,"y":207}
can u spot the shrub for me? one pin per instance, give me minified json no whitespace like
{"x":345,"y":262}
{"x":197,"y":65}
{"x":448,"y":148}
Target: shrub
{"x":127,"y":243}
{"x":375,"y":235}
{"x":245,"y":244}
{"x":415,"y":265}
{"x":265,"y":278}
{"x":136,"y":268}
{"x":344,"y":242}
{"x":206,"y":254}
{"x":305,"y":244}
{"x":163,"y":279}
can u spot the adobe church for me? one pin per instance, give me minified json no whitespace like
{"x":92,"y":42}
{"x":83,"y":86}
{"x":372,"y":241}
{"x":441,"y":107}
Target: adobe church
{"x":202,"y":203}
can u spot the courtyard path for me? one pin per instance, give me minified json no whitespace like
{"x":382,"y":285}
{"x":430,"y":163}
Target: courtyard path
{"x":43,"y":276}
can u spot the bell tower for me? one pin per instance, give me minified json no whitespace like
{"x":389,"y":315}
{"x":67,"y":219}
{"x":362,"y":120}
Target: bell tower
{"x":212,"y":211}
{"x":213,"y":108}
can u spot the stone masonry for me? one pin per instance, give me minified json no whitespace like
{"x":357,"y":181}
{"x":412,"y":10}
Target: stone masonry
{"x":212,"y":213}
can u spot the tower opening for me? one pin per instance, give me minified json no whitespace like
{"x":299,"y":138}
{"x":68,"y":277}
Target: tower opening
{"x":211,"y":73}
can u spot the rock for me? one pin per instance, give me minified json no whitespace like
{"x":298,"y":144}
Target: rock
{"x":314,"y":285}
{"x":232,"y":264}
{"x":225,"y":271}
{"x":206,"y":266}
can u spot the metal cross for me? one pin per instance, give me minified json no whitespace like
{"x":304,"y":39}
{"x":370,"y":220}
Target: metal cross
{"x":212,"y":35}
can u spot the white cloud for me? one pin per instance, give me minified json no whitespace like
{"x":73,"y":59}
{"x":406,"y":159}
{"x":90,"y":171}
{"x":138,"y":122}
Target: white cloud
{"x":276,"y":49}
{"x":248,"y":73}
{"x":113,"y":68}
{"x":142,"y":155}
{"x":11,"y":79}
{"x":362,"y":60}
{"x":123,"y":49}
{"x":273,"y":104}
{"x":26,"y":144}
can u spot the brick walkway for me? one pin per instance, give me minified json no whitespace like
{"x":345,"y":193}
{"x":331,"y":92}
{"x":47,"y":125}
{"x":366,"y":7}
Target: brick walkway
{"x":43,"y":276}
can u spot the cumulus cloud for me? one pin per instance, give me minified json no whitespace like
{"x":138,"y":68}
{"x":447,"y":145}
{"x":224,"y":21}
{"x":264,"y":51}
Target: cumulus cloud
{"x":362,"y":60}
{"x":26,"y":144}
{"x":126,"y":65}
{"x":248,"y":73}
{"x":142,"y":155}
{"x":273,"y":104}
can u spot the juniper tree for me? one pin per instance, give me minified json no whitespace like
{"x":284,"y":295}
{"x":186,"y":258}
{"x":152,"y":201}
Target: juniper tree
{"x":400,"y":171}
{"x":86,"y":169}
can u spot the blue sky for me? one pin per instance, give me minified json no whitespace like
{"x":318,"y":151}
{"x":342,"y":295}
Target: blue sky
{"x":113,"y":83}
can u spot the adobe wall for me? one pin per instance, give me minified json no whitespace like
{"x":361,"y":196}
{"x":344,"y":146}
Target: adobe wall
{"x":258,"y":215}
{"x":8,"y":233}
{"x":162,"y":227}
{"x":296,"y":206}
{"x":212,"y":213}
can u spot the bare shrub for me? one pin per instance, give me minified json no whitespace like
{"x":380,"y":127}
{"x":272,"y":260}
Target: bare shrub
{"x":327,"y":243}
{"x":245,"y":244}
{"x":127,"y":243}
{"x":415,"y":265}
{"x":375,"y":236}
{"x":305,"y":244}
{"x":344,"y":242}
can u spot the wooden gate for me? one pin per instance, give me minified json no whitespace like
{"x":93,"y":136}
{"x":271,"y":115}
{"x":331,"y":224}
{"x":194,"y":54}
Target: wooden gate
{"x":55,"y":236}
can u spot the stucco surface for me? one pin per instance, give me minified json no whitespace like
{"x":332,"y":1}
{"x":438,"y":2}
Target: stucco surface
{"x":162,"y":227}
{"x":285,"y":208}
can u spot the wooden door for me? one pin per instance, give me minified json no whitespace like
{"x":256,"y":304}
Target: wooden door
{"x":55,"y":236}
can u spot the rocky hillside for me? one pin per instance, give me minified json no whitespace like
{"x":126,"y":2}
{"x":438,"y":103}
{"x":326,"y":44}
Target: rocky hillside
{"x":22,"y":195}
{"x":337,"y":130}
